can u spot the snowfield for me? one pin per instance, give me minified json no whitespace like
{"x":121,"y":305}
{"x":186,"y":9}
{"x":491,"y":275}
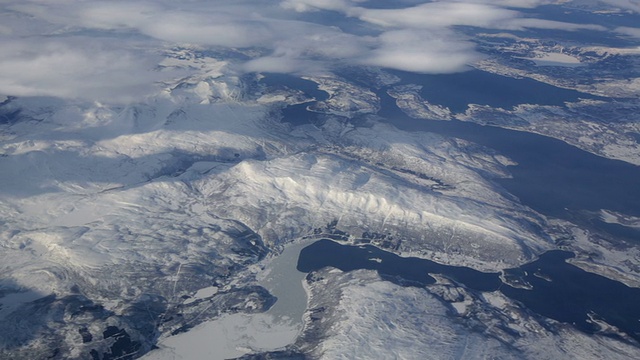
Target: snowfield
{"x":358,"y":315}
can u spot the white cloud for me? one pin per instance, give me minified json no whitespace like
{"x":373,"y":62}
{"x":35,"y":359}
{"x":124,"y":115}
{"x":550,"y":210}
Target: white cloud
{"x":629,"y":31}
{"x":633,"y":5}
{"x":77,"y":68}
{"x":113,"y":15}
{"x":228,"y":26}
{"x":210,"y":30}
{"x":527,"y":4}
{"x":422,"y":51}
{"x":310,"y":51}
{"x":436,"y":15}
{"x":315,"y":5}
{"x":5,"y":30}
{"x":411,"y":37}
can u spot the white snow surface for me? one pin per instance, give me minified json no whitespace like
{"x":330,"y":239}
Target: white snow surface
{"x":230,"y":336}
{"x":233,"y":335}
{"x":135,"y":215}
{"x":613,"y":217}
{"x":384,"y":321}
{"x":554,"y":59}
{"x":167,"y":199}
{"x":358,"y":315}
{"x":153,"y":193}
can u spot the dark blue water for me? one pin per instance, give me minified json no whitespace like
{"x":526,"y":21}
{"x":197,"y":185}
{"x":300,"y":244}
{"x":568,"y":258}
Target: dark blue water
{"x":555,"y":289}
{"x":551,"y":176}
{"x":299,"y":115}
{"x":567,"y":293}
{"x":324,"y":253}
{"x":296,"y":114}
{"x":617,"y":230}
{"x":287,"y":81}
{"x":456,"y":91}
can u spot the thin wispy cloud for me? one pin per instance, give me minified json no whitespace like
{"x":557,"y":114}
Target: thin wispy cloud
{"x":315,"y":5}
{"x":632,"y":5}
{"x":87,"y":49}
{"x":629,"y":31}
{"x":436,"y":15}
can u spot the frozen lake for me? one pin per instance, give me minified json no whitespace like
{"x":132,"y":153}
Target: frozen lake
{"x":234,"y":335}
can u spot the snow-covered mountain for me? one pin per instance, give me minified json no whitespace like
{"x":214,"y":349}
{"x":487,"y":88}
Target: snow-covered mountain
{"x":109,"y":211}
{"x":154,"y":162}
